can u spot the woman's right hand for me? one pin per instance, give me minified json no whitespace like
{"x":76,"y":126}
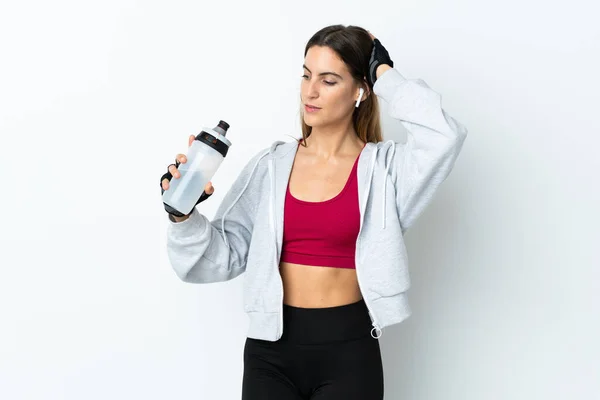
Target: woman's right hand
{"x":181,"y":159}
{"x":173,"y":172}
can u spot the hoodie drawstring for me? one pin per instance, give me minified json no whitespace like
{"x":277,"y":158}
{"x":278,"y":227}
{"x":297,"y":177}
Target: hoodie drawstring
{"x":272,"y":199}
{"x":386,"y":145}
{"x":387,"y":168}
{"x":239,"y":196}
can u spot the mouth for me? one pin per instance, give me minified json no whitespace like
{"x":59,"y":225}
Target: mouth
{"x":309,"y":108}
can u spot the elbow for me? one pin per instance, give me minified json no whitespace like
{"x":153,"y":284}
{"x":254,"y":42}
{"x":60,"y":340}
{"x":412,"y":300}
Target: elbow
{"x":184,"y":273}
{"x":459,"y":130}
{"x":462,"y":132}
{"x":187,"y":269}
{"x":461,"y":136}
{"x":207,"y":271}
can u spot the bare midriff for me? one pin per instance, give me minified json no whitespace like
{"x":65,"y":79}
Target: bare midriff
{"x":309,"y":286}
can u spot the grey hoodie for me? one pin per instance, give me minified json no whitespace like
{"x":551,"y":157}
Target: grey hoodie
{"x":396,"y":181}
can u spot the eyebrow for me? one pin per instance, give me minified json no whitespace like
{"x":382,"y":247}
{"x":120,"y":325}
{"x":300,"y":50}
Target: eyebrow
{"x":323,"y":73}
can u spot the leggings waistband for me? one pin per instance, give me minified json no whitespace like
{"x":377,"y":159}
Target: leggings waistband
{"x":323,"y":325}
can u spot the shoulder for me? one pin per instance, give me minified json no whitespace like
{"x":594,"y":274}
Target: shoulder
{"x":384,"y":149}
{"x":277,"y":149}
{"x":259,"y":160}
{"x":385,"y":155}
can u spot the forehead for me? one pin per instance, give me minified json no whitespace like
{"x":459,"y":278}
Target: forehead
{"x":323,"y":59}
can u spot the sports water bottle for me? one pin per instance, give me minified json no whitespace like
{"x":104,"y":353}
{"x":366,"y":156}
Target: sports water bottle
{"x":204,"y":157}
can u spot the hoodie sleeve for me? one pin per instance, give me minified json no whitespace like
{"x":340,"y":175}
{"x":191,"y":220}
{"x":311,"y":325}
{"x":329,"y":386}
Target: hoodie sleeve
{"x":433,"y":143}
{"x":201,"y":251}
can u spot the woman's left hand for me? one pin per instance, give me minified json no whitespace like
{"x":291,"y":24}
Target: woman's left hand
{"x":379,"y":62}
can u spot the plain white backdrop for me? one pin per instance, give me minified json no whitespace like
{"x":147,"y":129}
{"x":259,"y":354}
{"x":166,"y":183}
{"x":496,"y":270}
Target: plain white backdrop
{"x":97,"y":98}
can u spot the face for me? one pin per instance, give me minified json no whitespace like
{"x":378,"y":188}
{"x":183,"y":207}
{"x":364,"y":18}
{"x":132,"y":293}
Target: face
{"x":328,"y":85}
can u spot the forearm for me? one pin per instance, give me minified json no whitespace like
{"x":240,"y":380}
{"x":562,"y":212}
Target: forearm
{"x":201,"y":251}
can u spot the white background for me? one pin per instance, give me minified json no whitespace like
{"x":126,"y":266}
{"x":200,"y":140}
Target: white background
{"x":97,"y":98}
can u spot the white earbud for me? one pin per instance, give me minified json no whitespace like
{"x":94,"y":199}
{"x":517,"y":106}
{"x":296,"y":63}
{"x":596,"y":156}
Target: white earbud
{"x":361,"y":91}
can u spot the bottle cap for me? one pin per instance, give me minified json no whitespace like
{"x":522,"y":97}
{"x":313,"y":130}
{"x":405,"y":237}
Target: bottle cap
{"x":224,"y":125}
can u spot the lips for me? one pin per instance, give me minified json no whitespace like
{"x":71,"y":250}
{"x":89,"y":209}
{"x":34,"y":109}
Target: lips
{"x":311,"y":108}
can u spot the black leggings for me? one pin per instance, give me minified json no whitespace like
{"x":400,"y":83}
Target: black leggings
{"x":324,"y":353}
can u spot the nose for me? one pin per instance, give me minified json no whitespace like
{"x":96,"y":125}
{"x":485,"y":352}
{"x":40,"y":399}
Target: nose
{"x":312,"y":91}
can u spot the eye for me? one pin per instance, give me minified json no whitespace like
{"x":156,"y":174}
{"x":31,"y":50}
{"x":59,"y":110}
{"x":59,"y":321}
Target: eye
{"x":325,"y":82}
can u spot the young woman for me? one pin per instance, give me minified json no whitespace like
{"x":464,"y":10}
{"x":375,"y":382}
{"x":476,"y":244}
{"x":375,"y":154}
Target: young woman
{"x":317,"y":225}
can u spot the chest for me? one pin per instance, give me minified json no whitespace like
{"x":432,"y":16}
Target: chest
{"x":312,"y":181}
{"x":321,"y":206}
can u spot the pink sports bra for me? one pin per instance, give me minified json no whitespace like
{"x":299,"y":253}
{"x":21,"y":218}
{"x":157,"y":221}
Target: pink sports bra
{"x":322,"y":233}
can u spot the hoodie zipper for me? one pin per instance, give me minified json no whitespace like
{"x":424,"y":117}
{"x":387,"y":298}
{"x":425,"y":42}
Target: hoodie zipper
{"x":376,"y":326}
{"x":274,"y":230}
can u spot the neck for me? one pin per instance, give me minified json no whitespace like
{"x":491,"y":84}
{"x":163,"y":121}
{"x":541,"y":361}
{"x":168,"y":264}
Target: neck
{"x":333,"y":141}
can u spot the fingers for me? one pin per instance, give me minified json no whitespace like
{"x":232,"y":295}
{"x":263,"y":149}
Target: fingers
{"x":181,"y":158}
{"x":172,"y":168}
{"x":174,"y":171}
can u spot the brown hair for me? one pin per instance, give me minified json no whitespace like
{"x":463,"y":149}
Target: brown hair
{"x":353,"y":45}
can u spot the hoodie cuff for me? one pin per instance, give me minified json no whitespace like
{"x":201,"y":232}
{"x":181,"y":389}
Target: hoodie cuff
{"x":191,"y":225}
{"x":385,"y":86}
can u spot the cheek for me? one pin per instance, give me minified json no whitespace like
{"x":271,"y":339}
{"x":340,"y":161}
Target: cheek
{"x":333,"y":99}
{"x":338,"y":101}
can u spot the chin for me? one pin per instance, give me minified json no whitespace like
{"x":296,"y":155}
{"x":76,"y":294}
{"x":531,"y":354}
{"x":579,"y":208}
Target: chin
{"x":312,"y":122}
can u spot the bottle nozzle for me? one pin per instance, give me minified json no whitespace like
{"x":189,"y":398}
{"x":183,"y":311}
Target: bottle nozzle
{"x":223,"y":127}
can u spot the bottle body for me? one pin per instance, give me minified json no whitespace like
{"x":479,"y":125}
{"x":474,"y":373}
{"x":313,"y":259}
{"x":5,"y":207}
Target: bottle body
{"x":202,"y":164}
{"x":204,"y":157}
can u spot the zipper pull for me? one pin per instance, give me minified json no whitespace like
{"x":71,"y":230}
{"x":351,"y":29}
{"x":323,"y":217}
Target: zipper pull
{"x":376,"y":328}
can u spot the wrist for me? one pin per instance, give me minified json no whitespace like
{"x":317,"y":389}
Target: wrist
{"x":175,"y":218}
{"x":381,"y":69}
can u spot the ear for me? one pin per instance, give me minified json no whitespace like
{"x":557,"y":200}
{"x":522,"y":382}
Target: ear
{"x":366,"y":87}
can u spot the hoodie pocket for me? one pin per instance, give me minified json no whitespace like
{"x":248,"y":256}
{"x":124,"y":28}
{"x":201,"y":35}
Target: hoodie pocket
{"x":387,"y":273}
{"x":251,"y":297}
{"x":263,"y":292}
